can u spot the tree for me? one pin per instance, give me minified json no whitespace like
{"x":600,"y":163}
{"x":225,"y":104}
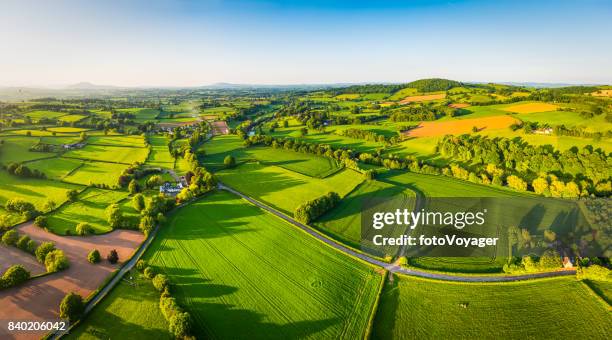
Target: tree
{"x":15,"y":275}
{"x":114,"y":215}
{"x":56,"y":261}
{"x":10,"y":237}
{"x":138,"y":202}
{"x":23,"y":242}
{"x":72,"y":195}
{"x":149,"y":272}
{"x":146,"y":224}
{"x":154,"y":181}
{"x":84,"y":228}
{"x":160,"y":282}
{"x":72,"y":307}
{"x":42,"y":251}
{"x":41,"y":221}
{"x":112,"y":257}
{"x":180,"y":324}
{"x":20,"y":206}
{"x":550,"y":260}
{"x":133,"y":187}
{"x":229,"y":161}
{"x":93,"y":256}
{"x":516,"y":183}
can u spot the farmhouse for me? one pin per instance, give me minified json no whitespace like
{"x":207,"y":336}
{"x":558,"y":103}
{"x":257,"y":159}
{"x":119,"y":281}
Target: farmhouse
{"x":169,"y":189}
{"x":567,"y":263}
{"x":545,"y":131}
{"x":73,"y":146}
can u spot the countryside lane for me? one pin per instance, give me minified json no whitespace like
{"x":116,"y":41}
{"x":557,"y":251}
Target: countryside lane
{"x":391,"y":267}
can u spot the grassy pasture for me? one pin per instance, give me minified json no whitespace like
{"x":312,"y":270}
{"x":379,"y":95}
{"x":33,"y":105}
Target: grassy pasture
{"x":347,"y":96}
{"x":56,"y":168}
{"x":551,"y":308}
{"x":601,"y":288}
{"x":105,"y":153}
{"x":96,"y":173}
{"x":329,"y":138}
{"x":129,"y":311}
{"x":344,"y":221}
{"x":141,"y":115}
{"x":233,"y":264}
{"x":34,"y":190}
{"x":38,"y":114}
{"x":66,"y":129}
{"x":17,"y":149}
{"x":119,"y":140}
{"x":159,"y":155}
{"x":220,"y":146}
{"x":285,"y":189}
{"x":90,"y":207}
{"x":72,"y":118}
{"x":403,"y":93}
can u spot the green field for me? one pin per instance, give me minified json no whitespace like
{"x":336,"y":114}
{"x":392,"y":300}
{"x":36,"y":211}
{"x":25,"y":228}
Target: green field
{"x":141,"y":114}
{"x":113,"y":154}
{"x":602,"y":288}
{"x":90,"y":208}
{"x":118,"y":140}
{"x":544,"y":309}
{"x":38,"y":114}
{"x":96,"y":173}
{"x":72,"y":118}
{"x":17,"y":149}
{"x":284,"y":189}
{"x":56,"y":168}
{"x":243,"y":273}
{"x":311,"y":165}
{"x":344,"y":221}
{"x":34,"y":190}
{"x":160,"y":155}
{"x":129,"y":311}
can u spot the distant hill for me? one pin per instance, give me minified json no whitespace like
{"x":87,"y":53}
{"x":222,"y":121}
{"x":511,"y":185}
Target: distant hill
{"x":90,"y":86}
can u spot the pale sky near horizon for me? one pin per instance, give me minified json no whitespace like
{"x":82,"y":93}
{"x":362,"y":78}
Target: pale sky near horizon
{"x":188,"y":43}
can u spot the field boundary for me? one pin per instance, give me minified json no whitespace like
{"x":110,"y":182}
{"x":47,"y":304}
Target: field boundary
{"x":374,"y":311}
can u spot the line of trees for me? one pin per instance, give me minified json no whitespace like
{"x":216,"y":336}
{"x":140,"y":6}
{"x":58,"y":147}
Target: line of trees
{"x":311,"y":210}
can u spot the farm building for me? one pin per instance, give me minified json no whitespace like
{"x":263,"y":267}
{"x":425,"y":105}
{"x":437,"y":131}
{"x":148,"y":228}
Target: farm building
{"x":546,"y":131}
{"x":170,"y":189}
{"x":73,"y":146}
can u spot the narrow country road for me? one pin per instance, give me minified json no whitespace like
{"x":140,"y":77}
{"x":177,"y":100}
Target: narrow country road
{"x":391,"y":267}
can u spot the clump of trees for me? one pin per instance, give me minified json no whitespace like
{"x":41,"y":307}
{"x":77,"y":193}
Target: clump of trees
{"x":13,"y":276}
{"x":311,"y":210}
{"x":84,"y":228}
{"x":55,"y":261}
{"x":571,"y":173}
{"x":550,"y":260}
{"x":22,"y":170}
{"x":23,"y":242}
{"x":22,"y":207}
{"x":368,"y":135}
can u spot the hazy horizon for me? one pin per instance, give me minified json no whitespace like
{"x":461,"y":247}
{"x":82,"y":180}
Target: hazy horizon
{"x":188,"y":44}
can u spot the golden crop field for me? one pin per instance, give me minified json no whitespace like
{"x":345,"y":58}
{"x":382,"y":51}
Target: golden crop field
{"x":531,"y":107}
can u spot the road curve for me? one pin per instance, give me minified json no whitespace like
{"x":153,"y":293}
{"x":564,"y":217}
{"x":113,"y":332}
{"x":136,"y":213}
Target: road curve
{"x":391,"y":267}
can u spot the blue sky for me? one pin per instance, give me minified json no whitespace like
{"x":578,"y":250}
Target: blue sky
{"x":186,"y":43}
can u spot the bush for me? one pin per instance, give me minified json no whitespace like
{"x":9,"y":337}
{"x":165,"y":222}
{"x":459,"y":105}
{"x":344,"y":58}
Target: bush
{"x":594,"y":272}
{"x":72,"y":307}
{"x":141,"y":265}
{"x":19,"y":205}
{"x":41,"y":221}
{"x":160,"y":282}
{"x":14,"y":276}
{"x":42,"y":251}
{"x":84,"y":228}
{"x":56,"y":261}
{"x":93,"y":256}
{"x":138,"y":202}
{"x":113,"y":257}
{"x":149,"y":273}
{"x":72,"y":195}
{"x":10,"y":237}
{"x":32,"y":245}
{"x":229,"y":161}
{"x":23,"y":242}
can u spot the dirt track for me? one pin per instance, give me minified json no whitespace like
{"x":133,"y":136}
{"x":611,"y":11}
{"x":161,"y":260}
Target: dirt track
{"x":39,"y":298}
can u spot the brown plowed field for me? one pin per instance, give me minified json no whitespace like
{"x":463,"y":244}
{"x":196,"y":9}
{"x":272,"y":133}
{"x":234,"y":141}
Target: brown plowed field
{"x":220,"y":128}
{"x":459,"y":105}
{"x":39,"y":298}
